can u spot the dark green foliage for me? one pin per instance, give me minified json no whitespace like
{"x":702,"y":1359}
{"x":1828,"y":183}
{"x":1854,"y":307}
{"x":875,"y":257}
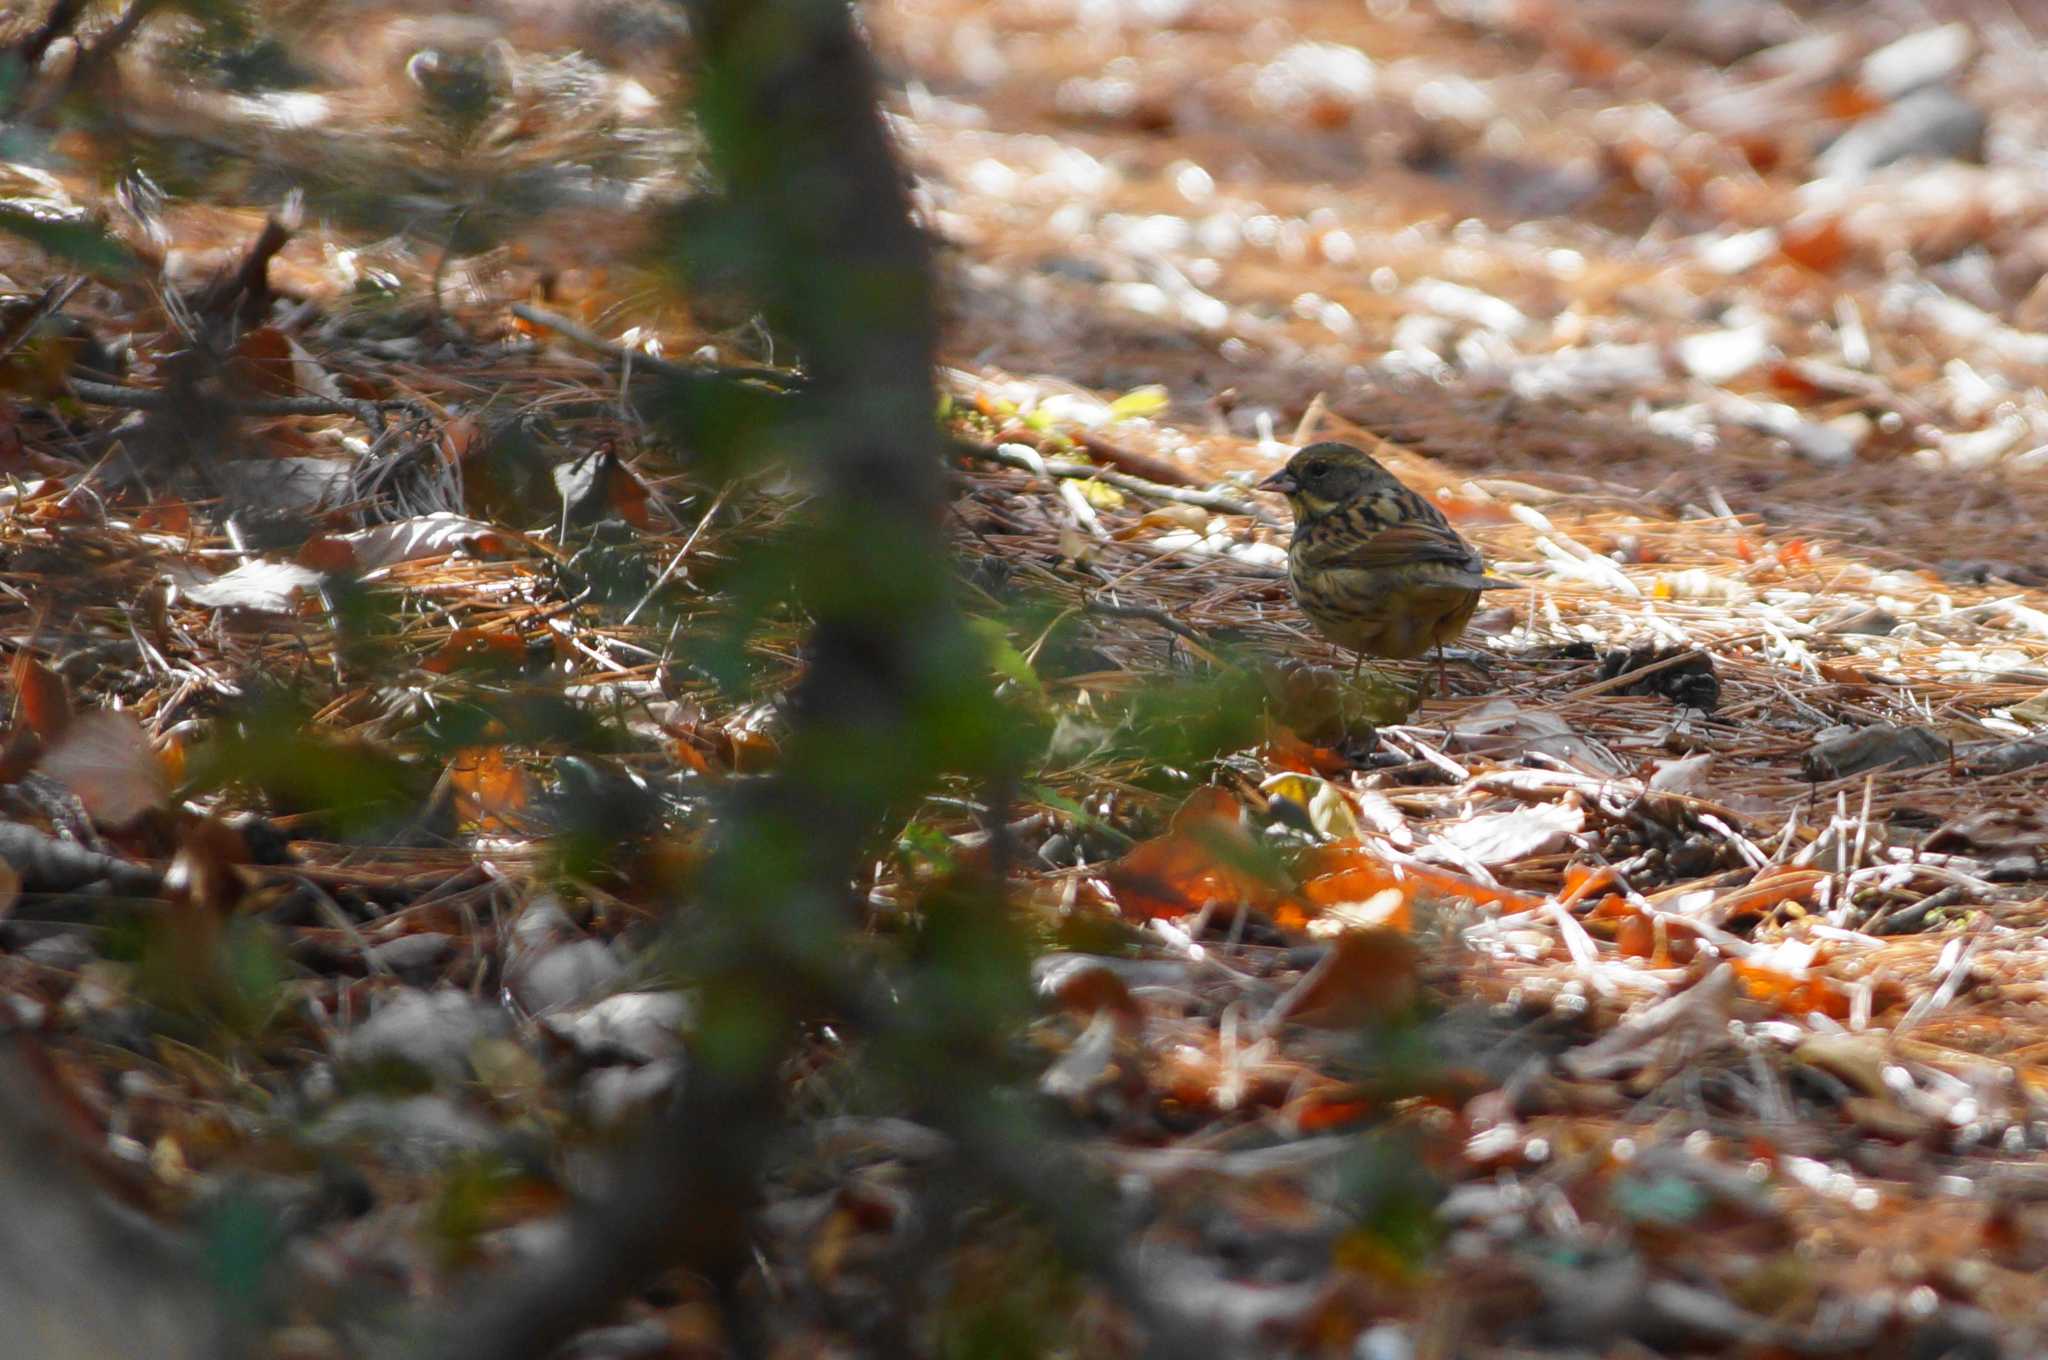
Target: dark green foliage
{"x":71,"y":237}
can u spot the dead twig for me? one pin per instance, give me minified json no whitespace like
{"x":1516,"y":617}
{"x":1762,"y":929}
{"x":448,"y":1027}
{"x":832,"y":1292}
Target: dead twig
{"x":370,"y":413}
{"x":786,"y":379}
{"x":1223,"y":502}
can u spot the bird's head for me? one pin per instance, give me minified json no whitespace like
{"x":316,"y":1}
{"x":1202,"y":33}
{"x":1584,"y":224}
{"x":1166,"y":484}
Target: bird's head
{"x":1325,"y":477}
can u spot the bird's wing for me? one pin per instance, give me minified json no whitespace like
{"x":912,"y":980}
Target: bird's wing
{"x":1402,"y":545}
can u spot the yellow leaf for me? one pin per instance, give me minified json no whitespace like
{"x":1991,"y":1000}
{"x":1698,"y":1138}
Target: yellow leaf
{"x":1139,"y":401}
{"x":1102,"y":495}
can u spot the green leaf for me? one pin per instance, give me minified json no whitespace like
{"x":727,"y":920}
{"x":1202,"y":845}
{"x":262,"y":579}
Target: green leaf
{"x":68,"y":235}
{"x":1003,"y":656}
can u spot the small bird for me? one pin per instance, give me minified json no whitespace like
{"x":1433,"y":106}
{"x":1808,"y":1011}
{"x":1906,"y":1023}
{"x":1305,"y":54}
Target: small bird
{"x":1376,"y":568}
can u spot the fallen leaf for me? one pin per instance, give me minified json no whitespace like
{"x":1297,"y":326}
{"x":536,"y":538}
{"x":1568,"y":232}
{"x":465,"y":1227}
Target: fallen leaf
{"x":598,"y":485}
{"x":488,"y":788}
{"x":164,"y":517}
{"x":1173,"y":875}
{"x":203,"y":873}
{"x":1139,"y":401}
{"x":408,"y":540}
{"x":44,"y":698}
{"x":106,"y":760}
{"x":285,"y":486}
{"x":1817,"y":242}
{"x":472,"y":647}
{"x":1368,"y":975}
{"x":1794,"y":993}
{"x":259,"y":586}
{"x":1356,"y":873}
{"x":1329,"y":812}
{"x":1086,"y":986}
{"x":1205,"y":860}
{"x":1207,"y":807}
{"x":1496,"y":838}
{"x":1872,"y":748}
{"x":270,"y":361}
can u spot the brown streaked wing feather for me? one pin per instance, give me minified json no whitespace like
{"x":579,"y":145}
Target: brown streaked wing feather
{"x":1404,"y":545}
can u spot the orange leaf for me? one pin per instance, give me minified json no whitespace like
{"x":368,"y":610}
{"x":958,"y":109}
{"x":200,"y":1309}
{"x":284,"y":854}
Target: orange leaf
{"x":165,"y":517}
{"x":1368,"y":975}
{"x":262,"y":359}
{"x":1207,"y":807}
{"x":461,"y":437}
{"x":1794,"y":995}
{"x":1085,"y":987}
{"x":1321,"y":1111}
{"x":469,"y":648}
{"x":1763,"y":152}
{"x":1172,"y":875}
{"x":203,"y":874}
{"x":1788,"y":378}
{"x":327,"y":554}
{"x":1583,"y":880}
{"x":488,"y":788}
{"x":1818,"y":243}
{"x":1472,"y":509}
{"x":1847,"y":99}
{"x":1349,"y":871}
{"x":1637,"y":939}
{"x":630,"y":497}
{"x":1287,"y":751}
{"x":44,"y":697}
{"x":1587,"y":57}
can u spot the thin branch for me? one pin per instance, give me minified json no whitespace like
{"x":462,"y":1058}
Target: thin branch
{"x":1222,"y":502}
{"x":1145,"y":612}
{"x":370,"y":413}
{"x":787,"y":379}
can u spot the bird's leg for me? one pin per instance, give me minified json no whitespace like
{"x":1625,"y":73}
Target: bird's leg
{"x":1441,"y":688}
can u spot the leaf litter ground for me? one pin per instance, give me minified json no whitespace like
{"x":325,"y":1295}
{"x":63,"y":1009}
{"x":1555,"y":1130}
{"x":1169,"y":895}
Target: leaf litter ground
{"x":1670,"y":985}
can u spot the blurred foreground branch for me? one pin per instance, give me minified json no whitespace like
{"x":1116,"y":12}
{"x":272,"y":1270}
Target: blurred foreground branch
{"x":80,"y":1276}
{"x":819,"y":227}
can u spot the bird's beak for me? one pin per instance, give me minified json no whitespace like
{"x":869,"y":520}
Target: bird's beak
{"x":1282,"y":482}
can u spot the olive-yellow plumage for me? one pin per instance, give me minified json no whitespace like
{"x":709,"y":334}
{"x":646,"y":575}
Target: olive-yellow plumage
{"x":1376,"y":568}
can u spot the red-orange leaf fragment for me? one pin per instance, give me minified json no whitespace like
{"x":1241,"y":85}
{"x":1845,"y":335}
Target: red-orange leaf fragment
{"x":1818,"y":243}
{"x":488,"y":788}
{"x":44,"y":698}
{"x":1350,"y":871}
{"x":205,"y":874}
{"x":1368,"y":976}
{"x":469,"y":648}
{"x":1793,"y":995}
{"x":1193,"y":866}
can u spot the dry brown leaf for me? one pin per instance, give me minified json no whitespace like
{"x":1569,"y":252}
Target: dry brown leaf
{"x":203,"y":874}
{"x":106,"y":760}
{"x":44,"y":697}
{"x":468,"y":648}
{"x":1368,"y":975}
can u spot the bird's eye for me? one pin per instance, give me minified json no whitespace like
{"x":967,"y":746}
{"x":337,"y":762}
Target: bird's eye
{"x":1316,"y":470}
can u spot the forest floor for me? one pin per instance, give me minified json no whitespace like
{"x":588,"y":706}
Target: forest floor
{"x":1670,"y":984}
